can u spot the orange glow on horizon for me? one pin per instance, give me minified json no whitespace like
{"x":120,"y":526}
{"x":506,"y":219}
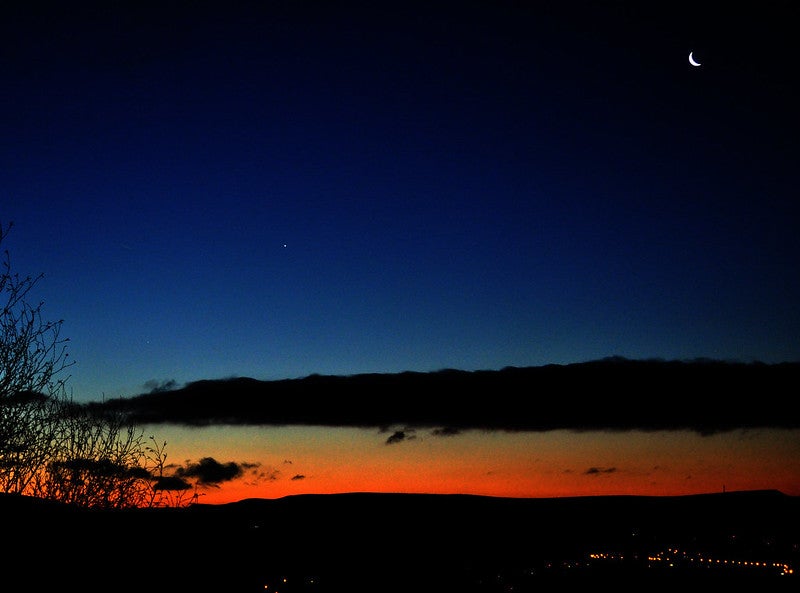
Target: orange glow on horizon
{"x":284,"y":461}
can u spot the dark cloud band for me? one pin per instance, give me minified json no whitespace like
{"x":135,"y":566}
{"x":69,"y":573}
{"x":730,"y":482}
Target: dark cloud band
{"x":609,"y":394}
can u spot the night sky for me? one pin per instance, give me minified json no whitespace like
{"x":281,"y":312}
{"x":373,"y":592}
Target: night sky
{"x":277,"y":189}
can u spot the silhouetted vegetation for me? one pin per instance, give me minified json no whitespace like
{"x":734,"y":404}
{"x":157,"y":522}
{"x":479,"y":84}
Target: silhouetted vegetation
{"x":51,"y":447}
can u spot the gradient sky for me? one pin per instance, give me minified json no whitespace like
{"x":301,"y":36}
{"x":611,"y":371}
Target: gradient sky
{"x":271,"y":462}
{"x":276,"y":189}
{"x":572,"y":430}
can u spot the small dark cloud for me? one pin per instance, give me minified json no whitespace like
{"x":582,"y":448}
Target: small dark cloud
{"x":267,"y":475}
{"x":208,"y":471}
{"x":156,"y":386}
{"x":447,"y":431}
{"x":600,"y":470}
{"x":298,"y":477}
{"x":171,"y":483}
{"x":396,"y":437}
{"x":399,"y":436}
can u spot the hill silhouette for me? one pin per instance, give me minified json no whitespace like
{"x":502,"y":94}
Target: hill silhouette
{"x":394,"y":542}
{"x":614,"y":393}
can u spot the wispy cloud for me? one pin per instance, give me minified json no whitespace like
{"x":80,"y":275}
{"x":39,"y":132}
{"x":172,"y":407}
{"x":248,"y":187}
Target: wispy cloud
{"x":600,"y":470}
{"x":399,"y":436}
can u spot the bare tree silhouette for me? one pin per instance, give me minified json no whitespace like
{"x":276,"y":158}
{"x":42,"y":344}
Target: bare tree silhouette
{"x":33,"y":364}
{"x":50,"y":446}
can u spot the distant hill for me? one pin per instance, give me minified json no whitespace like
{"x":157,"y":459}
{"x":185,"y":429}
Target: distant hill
{"x":613,"y":393}
{"x":401,"y":542}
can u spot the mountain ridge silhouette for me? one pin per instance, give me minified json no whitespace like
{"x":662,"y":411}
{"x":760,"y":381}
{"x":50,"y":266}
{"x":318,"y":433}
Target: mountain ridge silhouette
{"x":392,"y":542}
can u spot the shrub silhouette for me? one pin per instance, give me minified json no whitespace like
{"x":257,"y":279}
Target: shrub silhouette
{"x":50,"y":446}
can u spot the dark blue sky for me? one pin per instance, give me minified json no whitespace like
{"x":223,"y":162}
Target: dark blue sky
{"x":275,"y":189}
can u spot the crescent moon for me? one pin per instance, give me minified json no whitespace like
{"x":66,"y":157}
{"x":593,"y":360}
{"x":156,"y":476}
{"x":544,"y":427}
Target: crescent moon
{"x":692,"y":61}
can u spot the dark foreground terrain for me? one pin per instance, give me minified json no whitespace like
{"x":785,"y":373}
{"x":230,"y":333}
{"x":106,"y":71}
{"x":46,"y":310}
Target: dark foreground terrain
{"x":401,"y":542}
